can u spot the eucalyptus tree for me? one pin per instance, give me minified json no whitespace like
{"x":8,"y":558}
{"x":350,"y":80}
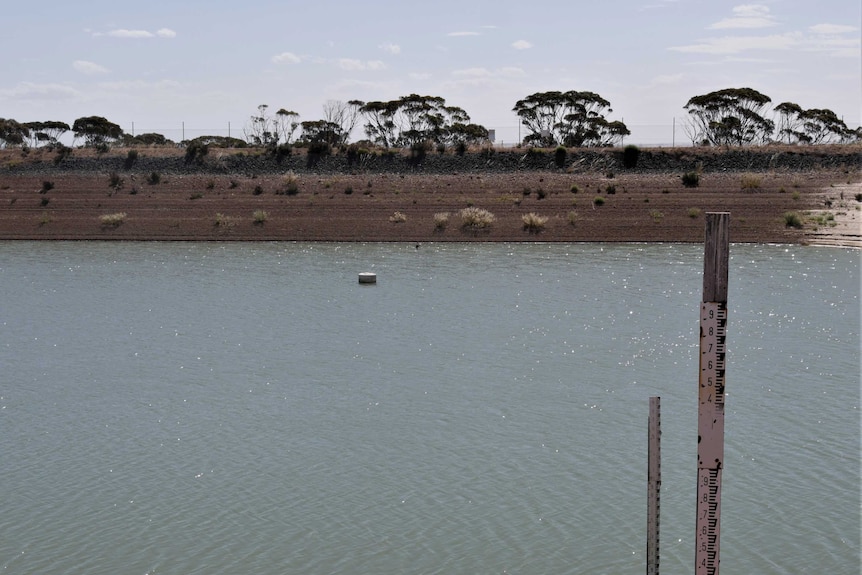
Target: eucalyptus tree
{"x":12,"y":133}
{"x":570,"y":118}
{"x":267,"y":130}
{"x":285,"y":124}
{"x":321,"y":132}
{"x":96,"y":131}
{"x":343,"y":114}
{"x":46,"y":132}
{"x":261,"y":130}
{"x":380,"y":126}
{"x":413,"y":120}
{"x":729,"y":117}
{"x":814,"y":126}
{"x":467,"y":134}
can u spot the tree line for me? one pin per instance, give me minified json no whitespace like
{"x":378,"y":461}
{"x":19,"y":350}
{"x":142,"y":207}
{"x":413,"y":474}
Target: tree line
{"x":729,"y":117}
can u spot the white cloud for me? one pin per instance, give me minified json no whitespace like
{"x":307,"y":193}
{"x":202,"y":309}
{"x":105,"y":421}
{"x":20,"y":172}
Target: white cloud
{"x":141,"y":86}
{"x":747,"y":16}
{"x":391,"y":48}
{"x":485,"y":73}
{"x":89,"y":68}
{"x":286,"y":58}
{"x":838,"y":41}
{"x":123,"y":33}
{"x":473,"y":72}
{"x":521,"y":45}
{"x":666,"y":80}
{"x":358,"y":65}
{"x":28,"y":91}
{"x":830,"y":29}
{"x":512,"y":71}
{"x":737,"y":44}
{"x":463,"y":34}
{"x":661,"y":4}
{"x":419,"y":75}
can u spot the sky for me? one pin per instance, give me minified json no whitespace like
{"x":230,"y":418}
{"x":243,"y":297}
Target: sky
{"x":189,"y":68}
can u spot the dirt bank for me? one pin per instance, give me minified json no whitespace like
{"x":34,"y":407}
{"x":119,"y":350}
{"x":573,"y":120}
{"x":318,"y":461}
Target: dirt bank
{"x":231,"y":195}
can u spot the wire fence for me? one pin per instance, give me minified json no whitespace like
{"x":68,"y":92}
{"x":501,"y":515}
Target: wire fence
{"x":671,"y":134}
{"x":504,"y":136}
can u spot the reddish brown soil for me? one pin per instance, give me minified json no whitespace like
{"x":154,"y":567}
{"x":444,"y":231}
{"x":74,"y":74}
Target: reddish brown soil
{"x":360,"y":207}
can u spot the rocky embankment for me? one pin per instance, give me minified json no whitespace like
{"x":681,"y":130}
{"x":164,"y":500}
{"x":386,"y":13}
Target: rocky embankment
{"x":359,"y":160}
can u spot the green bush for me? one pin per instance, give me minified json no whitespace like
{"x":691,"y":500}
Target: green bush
{"x":560,"y":156}
{"x":63,"y":152}
{"x":154,"y":178}
{"x":196,"y":151}
{"x":282,"y":151}
{"x":115,"y":181}
{"x":599,"y":201}
{"x":792,"y":220}
{"x":131,"y":158}
{"x":47,"y":185}
{"x":319,"y":149}
{"x":631,"y":153}
{"x":691,"y":179}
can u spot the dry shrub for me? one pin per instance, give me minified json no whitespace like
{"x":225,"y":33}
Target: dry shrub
{"x":397,"y":218}
{"x":112,"y":220}
{"x":259,"y":217}
{"x":533,"y":222}
{"x":750,"y":181}
{"x":473,"y":218}
{"x":223,"y":221}
{"x":441,"y":220}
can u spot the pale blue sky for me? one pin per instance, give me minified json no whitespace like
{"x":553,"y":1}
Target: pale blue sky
{"x":208,"y":63}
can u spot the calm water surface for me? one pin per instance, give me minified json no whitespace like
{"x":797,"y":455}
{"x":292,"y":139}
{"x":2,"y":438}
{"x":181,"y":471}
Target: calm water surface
{"x":198,"y":408}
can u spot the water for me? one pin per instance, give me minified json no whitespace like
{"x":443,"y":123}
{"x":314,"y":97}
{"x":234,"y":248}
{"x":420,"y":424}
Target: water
{"x":199,"y":408}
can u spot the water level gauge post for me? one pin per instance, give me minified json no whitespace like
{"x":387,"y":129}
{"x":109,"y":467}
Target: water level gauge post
{"x":711,"y":393}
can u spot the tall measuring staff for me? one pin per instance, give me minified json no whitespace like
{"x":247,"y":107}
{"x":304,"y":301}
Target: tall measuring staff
{"x":710,"y":415}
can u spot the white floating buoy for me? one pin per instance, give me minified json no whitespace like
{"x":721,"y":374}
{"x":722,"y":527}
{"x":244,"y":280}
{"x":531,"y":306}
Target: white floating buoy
{"x":368,"y":278}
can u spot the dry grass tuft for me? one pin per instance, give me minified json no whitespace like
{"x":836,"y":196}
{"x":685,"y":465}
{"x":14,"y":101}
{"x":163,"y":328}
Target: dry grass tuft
{"x":259,"y":217}
{"x":533,"y":222}
{"x":441,"y":220}
{"x":473,"y":218}
{"x":397,"y":218}
{"x":223,"y":221}
{"x":112,"y":220}
{"x":750,"y":181}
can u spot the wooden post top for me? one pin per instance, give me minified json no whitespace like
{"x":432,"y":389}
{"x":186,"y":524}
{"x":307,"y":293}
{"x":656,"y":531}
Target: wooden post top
{"x":716,"y":256}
